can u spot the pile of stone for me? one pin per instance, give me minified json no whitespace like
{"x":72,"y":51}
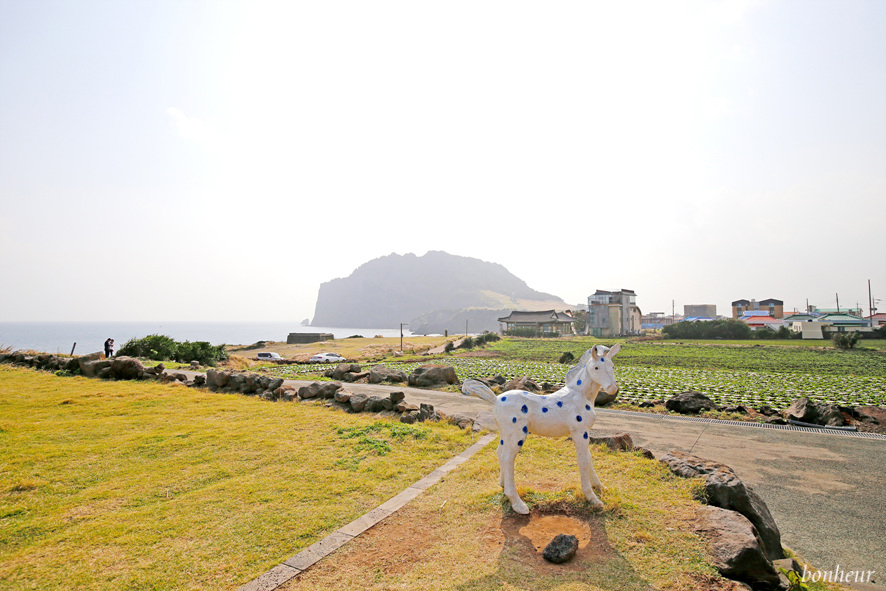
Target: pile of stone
{"x":251,"y":384}
{"x":94,"y":365}
{"x":353,"y":372}
{"x":431,"y":375}
{"x":742,"y":535}
{"x":803,"y":411}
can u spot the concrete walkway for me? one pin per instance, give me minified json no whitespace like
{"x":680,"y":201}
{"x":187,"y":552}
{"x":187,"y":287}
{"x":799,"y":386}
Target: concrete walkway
{"x":825,"y":491}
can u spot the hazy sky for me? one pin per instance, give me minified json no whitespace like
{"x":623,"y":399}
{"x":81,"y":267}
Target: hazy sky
{"x":219,"y":160}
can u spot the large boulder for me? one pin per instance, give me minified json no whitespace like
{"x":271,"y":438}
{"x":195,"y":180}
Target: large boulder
{"x":604,"y":398}
{"x":217,"y":379}
{"x":620,"y":441}
{"x":561,"y":549}
{"x":736,"y":548}
{"x":871,"y":414}
{"x":380,"y":374}
{"x":726,"y":490}
{"x":319,"y":390}
{"x":427,"y":376}
{"x":343,"y":369}
{"x":690,"y":403}
{"x":805,"y":410}
{"x":126,"y":368}
{"x":522,"y":383}
{"x":358,"y":402}
{"x":92,"y":369}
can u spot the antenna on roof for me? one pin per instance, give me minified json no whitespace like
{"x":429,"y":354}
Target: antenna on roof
{"x":838,"y":303}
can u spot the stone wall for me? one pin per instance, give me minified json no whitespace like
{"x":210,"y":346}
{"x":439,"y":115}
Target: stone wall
{"x":300,"y":338}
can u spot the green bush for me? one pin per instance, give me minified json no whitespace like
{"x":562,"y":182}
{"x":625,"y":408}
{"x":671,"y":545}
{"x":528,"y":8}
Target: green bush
{"x":712,"y":329}
{"x":201,"y":351}
{"x":155,"y":347}
{"x":164,"y":348}
{"x":845,"y":340}
{"x":486,"y":337}
{"x":467,"y":343}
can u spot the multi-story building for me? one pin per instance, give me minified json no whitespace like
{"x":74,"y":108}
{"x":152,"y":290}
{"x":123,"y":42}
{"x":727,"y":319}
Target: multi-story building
{"x":613,"y":313}
{"x":700,"y":311}
{"x":773,"y":306}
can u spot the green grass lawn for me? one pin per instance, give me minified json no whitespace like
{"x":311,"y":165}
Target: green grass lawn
{"x":113,"y":485}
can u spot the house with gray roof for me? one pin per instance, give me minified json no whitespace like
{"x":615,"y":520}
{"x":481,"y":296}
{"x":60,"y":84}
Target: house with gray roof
{"x":547,"y":323}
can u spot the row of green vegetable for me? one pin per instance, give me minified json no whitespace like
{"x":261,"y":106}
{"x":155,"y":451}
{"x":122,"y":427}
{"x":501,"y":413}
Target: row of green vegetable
{"x":638,"y":383}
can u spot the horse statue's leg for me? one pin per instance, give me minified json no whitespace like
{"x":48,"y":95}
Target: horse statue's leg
{"x":509,"y":446}
{"x":589,"y":478}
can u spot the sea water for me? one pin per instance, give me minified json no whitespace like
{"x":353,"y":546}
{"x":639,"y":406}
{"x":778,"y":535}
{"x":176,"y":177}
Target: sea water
{"x":59,"y":337}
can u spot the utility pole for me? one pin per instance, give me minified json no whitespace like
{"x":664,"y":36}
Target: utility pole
{"x":870,"y":305}
{"x":402,"y":324}
{"x":838,"y":302}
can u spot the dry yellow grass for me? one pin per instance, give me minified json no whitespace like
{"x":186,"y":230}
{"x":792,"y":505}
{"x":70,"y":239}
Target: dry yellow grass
{"x":114,"y":485}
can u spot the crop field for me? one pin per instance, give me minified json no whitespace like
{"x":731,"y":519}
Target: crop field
{"x":728,"y":374}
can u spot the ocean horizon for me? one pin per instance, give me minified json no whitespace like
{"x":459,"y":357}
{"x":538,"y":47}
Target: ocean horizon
{"x":60,"y":337}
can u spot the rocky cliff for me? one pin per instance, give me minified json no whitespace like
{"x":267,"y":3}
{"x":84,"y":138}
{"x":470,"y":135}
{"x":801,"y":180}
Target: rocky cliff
{"x":435,"y":290}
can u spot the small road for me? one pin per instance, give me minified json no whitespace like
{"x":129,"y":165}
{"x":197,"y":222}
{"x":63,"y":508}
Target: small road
{"x":826,"y":492}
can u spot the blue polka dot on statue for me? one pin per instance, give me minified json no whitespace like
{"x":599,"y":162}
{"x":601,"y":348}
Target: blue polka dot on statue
{"x":586,"y":434}
{"x":520,"y":443}
{"x":544,"y":409}
{"x":514,"y":420}
{"x":525,"y":429}
{"x":560,"y":403}
{"x":504,"y":398}
{"x":524,"y":408}
{"x":587,"y":407}
{"x":578,"y":418}
{"x":578,"y":382}
{"x":501,"y":441}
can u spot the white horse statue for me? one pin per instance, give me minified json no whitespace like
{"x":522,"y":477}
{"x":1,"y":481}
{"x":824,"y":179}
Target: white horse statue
{"x":569,"y":411}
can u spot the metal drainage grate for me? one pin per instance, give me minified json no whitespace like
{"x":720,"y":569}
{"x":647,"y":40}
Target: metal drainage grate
{"x":822,"y":431}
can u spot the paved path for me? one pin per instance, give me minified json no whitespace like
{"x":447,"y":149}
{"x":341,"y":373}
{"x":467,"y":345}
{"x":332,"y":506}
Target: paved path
{"x":826,"y":492}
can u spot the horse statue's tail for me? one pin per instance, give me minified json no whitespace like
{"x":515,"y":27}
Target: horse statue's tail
{"x":478,"y":389}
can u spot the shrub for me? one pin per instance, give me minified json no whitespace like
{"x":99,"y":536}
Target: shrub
{"x":713,"y":329}
{"x":163,"y":348}
{"x":449,"y":347}
{"x":486,"y":337}
{"x":845,"y":340}
{"x":467,"y":343}
{"x":201,"y":351}
{"x":156,"y":347}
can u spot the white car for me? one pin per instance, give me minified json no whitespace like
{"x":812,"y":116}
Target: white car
{"x":268,"y":356}
{"x":327,"y":358}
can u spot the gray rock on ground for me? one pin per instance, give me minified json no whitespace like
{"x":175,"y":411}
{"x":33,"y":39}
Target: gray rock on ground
{"x":522,"y":383}
{"x":126,"y":368}
{"x":380,"y":374}
{"x":319,"y":390}
{"x":736,"y":548}
{"x":690,"y":403}
{"x":561,"y":549}
{"x":426,"y":376}
{"x":615,"y":441}
{"x":726,"y":490}
{"x":605,"y":398}
{"x":816,"y":413}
